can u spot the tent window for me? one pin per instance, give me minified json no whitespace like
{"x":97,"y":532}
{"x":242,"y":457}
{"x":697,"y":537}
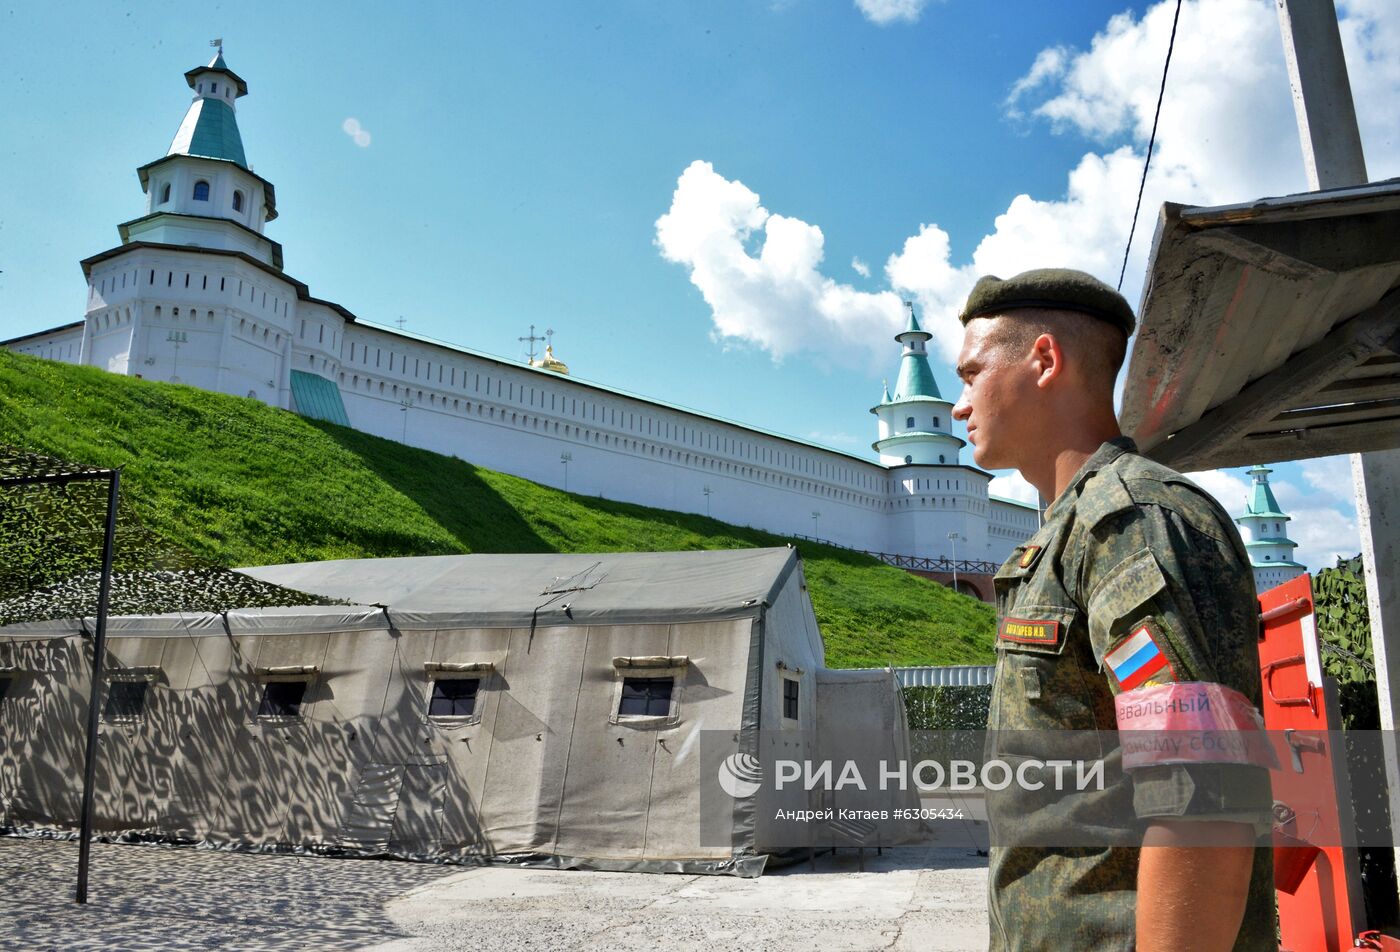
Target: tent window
{"x":646,"y":697}
{"x":790,"y":688}
{"x":282,"y":699}
{"x":125,"y":699}
{"x":454,"y":697}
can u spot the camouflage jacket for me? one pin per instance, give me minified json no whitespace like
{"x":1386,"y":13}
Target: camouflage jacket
{"x":1128,"y":544}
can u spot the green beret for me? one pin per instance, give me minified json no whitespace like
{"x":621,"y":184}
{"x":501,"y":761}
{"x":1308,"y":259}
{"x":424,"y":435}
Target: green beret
{"x":1060,"y":289}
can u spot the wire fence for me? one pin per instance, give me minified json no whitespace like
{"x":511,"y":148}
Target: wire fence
{"x":917,"y":562}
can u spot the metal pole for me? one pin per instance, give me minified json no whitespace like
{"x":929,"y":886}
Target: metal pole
{"x":1317,"y":71}
{"x":1333,"y":158}
{"x":99,"y":645}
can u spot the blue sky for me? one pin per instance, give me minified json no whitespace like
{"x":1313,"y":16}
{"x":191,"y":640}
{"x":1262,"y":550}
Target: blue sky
{"x":515,"y":160}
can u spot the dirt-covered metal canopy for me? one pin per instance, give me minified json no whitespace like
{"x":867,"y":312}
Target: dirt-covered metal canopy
{"x":1270,"y":331}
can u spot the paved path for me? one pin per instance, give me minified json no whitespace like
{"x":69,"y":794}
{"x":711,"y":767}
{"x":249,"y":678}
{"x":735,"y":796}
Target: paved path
{"x":148,"y":898}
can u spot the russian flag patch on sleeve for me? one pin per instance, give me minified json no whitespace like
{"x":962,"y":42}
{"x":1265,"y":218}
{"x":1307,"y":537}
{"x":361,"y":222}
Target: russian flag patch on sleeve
{"x":1139,"y":658}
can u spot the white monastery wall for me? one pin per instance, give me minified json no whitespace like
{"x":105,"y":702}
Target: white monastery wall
{"x":519,"y":419}
{"x":63,"y":344}
{"x":196,"y":294}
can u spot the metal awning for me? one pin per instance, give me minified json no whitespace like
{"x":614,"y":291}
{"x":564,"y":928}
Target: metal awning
{"x":1270,"y":331}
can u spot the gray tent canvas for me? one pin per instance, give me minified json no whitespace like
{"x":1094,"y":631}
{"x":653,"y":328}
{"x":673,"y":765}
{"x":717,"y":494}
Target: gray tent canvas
{"x":476,"y":708}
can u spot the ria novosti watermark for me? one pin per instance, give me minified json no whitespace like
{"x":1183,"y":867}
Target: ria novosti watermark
{"x":773,"y":790}
{"x":958,"y":776}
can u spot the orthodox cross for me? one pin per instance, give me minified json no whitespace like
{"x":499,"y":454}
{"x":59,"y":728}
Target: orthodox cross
{"x":530,"y":340}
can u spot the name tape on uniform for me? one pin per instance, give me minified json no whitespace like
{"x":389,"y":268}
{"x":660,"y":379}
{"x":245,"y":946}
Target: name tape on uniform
{"x":1029,"y":631}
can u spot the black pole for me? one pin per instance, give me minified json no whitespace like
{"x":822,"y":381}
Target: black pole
{"x":99,"y":646}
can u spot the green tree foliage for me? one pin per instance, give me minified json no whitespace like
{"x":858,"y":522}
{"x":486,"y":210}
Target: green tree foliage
{"x":1344,"y":635}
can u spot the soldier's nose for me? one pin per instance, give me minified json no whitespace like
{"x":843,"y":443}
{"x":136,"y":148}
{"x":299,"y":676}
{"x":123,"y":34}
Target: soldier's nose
{"x":962,"y":409}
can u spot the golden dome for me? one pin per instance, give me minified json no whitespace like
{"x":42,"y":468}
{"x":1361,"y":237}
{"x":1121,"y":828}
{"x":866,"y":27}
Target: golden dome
{"x":550,"y":362}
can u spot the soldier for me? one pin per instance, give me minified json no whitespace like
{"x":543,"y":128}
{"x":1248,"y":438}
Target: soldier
{"x":1136,"y":583}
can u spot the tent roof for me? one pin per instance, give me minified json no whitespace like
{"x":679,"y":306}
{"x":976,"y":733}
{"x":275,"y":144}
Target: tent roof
{"x":550,"y":588}
{"x":1270,"y":331}
{"x":483,"y":591}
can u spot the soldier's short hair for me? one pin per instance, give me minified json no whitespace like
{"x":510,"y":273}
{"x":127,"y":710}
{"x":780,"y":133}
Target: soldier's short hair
{"x":1097,"y":347}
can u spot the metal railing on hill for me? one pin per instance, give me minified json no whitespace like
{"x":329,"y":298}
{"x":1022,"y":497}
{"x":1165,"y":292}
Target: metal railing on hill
{"x":918,"y":562}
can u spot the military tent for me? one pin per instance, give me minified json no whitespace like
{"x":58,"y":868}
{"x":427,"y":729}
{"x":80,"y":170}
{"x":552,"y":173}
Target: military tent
{"x":477,"y":708}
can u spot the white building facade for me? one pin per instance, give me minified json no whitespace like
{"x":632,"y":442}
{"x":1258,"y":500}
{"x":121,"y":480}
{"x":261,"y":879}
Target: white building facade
{"x":195,"y":293}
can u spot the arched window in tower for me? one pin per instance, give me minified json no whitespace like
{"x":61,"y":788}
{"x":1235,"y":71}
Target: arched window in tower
{"x":237,"y":201}
{"x":165,"y":193}
{"x":909,"y":423}
{"x":201,"y":191}
{"x":936,"y":423}
{"x":940,"y":458}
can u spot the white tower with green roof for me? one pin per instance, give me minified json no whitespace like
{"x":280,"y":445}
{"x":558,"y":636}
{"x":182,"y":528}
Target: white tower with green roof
{"x":1263,"y":527}
{"x":938,"y":506}
{"x":196,"y":293}
{"x":203,"y":192}
{"x":916,"y":423}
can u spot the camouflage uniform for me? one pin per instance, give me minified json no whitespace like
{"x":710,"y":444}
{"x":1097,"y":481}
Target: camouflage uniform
{"x":1128,"y":542}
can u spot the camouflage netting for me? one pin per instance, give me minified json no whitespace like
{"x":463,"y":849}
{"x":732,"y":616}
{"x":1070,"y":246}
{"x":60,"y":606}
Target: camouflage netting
{"x":51,"y":530}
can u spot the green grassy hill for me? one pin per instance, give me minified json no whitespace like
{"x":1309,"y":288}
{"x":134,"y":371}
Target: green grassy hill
{"x":240,"y":483}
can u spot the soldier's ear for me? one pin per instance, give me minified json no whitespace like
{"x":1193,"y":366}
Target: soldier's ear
{"x":1047,"y":359}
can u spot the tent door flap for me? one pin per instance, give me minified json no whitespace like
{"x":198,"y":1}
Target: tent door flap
{"x":369,"y":821}
{"x":418,"y":821}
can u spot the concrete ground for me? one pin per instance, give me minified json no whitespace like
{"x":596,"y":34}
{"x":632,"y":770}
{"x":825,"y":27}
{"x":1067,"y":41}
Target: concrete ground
{"x":148,"y":898}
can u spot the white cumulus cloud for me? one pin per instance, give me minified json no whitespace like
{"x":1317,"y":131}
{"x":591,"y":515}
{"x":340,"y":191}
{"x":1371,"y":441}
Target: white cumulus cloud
{"x":1231,"y":490}
{"x":1014,"y":486}
{"x":358,"y":133}
{"x":860,"y":267}
{"x":774,"y":296}
{"x":885,"y":12}
{"x":1227,"y":134}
